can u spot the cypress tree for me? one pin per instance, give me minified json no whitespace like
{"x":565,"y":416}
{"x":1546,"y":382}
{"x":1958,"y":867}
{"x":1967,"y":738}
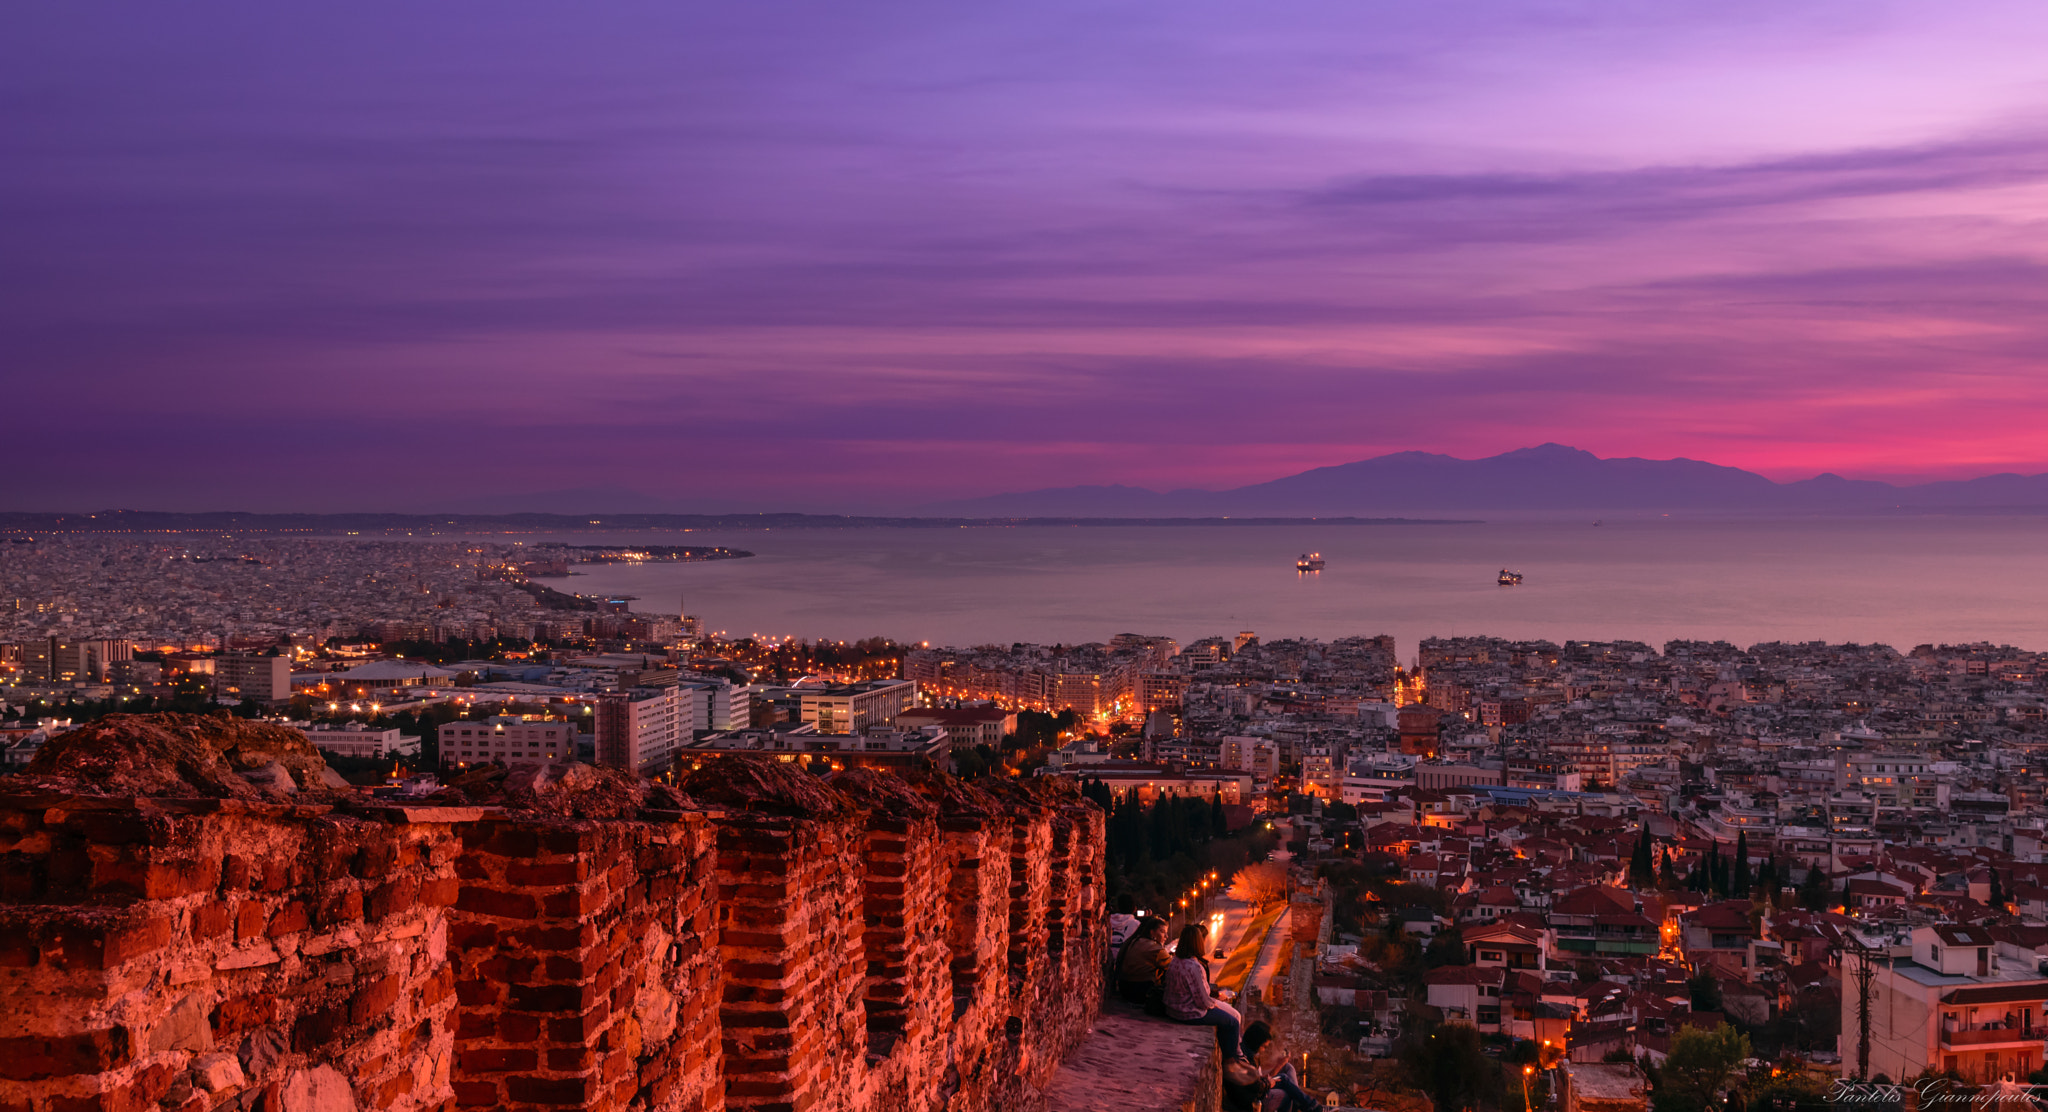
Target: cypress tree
{"x":1640,"y":869}
{"x":1738,"y":882}
{"x":1667,"y":876}
{"x":1997,"y":891}
{"x":1813,"y":891}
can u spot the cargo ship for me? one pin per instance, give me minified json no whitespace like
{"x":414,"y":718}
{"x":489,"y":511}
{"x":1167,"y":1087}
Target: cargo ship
{"x":1509,"y":578}
{"x":1310,"y":561}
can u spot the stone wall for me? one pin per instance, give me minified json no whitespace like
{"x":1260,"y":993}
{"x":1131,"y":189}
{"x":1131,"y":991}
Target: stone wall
{"x":778,"y":944}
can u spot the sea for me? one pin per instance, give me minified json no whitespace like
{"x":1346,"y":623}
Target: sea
{"x":1901,"y":581}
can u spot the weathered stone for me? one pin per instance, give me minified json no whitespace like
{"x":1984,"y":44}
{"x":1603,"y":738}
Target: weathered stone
{"x":263,"y":953}
{"x":320,"y":1089}
{"x":261,"y":1051}
{"x":185,"y":1027}
{"x":271,"y":777}
{"x":217,"y":1072}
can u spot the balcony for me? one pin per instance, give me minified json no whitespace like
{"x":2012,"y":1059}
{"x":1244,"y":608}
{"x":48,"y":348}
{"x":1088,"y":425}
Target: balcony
{"x":1991,"y":1035}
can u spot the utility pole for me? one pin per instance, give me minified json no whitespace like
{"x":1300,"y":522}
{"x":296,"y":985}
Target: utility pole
{"x":1865,"y":971}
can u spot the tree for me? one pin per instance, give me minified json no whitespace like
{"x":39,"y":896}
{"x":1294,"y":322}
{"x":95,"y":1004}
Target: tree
{"x":1699,"y":1066}
{"x":1813,"y":891}
{"x":1261,"y":884}
{"x":1738,"y":881}
{"x":1445,"y":1061}
{"x":1667,"y":877}
{"x":1447,"y":948}
{"x":1997,"y":892}
{"x":1706,"y":991}
{"x":1641,"y":872}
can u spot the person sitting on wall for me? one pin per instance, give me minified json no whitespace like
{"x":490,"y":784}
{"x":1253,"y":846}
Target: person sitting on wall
{"x":1143,"y":962}
{"x":1264,"y":1080}
{"x":1191,"y":999}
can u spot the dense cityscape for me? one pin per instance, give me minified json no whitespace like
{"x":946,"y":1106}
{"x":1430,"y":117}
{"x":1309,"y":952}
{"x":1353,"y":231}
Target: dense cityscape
{"x":1759,"y":869}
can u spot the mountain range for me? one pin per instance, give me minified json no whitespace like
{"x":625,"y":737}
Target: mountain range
{"x":1547,"y":477}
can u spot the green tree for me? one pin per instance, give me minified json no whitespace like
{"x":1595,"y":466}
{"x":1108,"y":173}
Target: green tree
{"x":1641,"y":872}
{"x":1447,"y":948}
{"x":1667,"y":877}
{"x":1706,"y":991}
{"x":1813,"y":891}
{"x":1699,"y":1067}
{"x":1738,"y":880}
{"x":1445,"y":1061}
{"x":1997,"y":891}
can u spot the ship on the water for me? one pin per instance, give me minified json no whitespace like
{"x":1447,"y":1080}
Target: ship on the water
{"x":1509,"y":578}
{"x":1310,"y":561}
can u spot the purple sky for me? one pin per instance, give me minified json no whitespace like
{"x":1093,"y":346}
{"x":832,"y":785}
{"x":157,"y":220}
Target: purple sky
{"x":778,"y":256}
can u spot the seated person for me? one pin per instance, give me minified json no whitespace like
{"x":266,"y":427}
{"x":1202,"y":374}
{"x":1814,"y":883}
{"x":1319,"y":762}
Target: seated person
{"x":1144,"y":960}
{"x":1189,"y":996}
{"x":1266,"y":1075}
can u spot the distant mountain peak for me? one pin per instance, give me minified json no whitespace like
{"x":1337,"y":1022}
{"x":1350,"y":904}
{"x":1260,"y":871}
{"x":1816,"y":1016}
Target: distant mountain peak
{"x":1548,"y":476}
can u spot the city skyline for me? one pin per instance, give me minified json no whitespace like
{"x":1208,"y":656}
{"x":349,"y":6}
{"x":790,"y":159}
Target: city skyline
{"x":806,"y":259}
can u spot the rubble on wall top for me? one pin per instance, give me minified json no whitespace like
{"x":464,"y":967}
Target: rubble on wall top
{"x":890,"y":794}
{"x":572,"y":791}
{"x":213,"y":756}
{"x":758,"y":784}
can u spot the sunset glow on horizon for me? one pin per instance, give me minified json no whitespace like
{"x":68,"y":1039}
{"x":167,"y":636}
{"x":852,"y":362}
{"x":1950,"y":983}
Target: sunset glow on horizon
{"x":807,"y":256}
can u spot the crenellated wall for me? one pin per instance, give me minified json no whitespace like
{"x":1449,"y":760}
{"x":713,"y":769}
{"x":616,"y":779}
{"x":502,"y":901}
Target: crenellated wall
{"x":874,"y":945}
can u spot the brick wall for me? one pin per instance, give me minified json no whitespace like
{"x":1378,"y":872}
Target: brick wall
{"x":884,"y":945}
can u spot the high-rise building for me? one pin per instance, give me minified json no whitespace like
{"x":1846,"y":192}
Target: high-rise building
{"x":266,"y":679}
{"x":640,"y":729}
{"x":33,"y":658}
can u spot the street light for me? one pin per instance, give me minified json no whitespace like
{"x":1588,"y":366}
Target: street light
{"x":1527,"y":1073}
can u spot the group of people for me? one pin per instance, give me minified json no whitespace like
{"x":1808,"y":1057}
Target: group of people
{"x":1174,"y":982}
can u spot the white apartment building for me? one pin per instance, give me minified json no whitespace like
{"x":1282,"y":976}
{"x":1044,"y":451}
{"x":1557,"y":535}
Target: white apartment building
{"x":266,"y":679}
{"x":507,"y":739}
{"x":640,"y":730}
{"x":1379,"y":777}
{"x":1954,"y":1002}
{"x":1259,"y":756}
{"x":354,"y":739}
{"x":719,"y":706}
{"x":852,"y":708}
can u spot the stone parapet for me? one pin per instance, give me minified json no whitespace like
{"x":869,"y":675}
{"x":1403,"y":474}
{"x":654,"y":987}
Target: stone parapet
{"x":777,"y":943}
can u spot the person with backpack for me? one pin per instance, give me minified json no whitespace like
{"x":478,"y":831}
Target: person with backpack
{"x":1123,"y":924}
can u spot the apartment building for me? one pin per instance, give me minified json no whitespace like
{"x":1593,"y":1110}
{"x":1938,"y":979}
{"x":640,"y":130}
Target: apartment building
{"x":852,"y":708}
{"x":507,"y":739}
{"x":1952,"y":1002}
{"x":354,"y":739}
{"x":266,"y":679}
{"x":642,"y":728}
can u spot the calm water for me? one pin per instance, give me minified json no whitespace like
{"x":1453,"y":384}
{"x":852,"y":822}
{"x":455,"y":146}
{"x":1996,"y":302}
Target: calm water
{"x":1902,"y":581}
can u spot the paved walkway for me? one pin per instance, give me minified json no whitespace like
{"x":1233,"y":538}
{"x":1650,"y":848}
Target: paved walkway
{"x":1269,"y":953}
{"x":1134,"y":1063}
